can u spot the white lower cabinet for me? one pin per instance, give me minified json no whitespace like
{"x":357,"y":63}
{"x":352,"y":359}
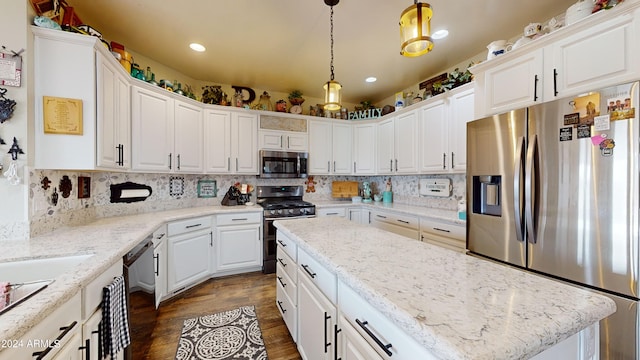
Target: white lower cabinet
{"x":238,"y":245}
{"x":58,"y":334}
{"x":316,"y":309}
{"x":381,"y":335}
{"x":189,"y":252}
{"x":160,"y":269}
{"x":447,"y":235}
{"x":91,"y":335}
{"x":286,"y":283}
{"x":351,"y":345}
{"x":401,"y":224}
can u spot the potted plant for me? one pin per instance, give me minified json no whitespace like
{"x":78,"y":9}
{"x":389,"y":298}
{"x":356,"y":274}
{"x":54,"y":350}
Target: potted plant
{"x":295,"y":97}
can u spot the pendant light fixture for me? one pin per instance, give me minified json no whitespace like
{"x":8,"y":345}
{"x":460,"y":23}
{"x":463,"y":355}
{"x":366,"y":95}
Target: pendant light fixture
{"x":415,"y":30}
{"x":332,"y":89}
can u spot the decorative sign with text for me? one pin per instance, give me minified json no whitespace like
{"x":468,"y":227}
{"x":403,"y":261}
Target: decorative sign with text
{"x":365,"y":114}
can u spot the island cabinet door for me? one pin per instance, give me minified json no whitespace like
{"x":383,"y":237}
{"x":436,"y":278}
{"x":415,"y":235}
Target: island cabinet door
{"x":316,"y":322}
{"x":351,"y":345}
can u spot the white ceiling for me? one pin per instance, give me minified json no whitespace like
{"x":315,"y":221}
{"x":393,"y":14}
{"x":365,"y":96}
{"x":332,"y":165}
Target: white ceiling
{"x":281,"y":45}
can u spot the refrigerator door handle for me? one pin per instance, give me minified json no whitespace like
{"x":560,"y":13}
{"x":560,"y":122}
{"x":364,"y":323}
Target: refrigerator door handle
{"x":529,"y":189}
{"x":517,"y":191}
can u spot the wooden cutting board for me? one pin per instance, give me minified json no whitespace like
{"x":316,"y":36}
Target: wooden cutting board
{"x":344,"y":189}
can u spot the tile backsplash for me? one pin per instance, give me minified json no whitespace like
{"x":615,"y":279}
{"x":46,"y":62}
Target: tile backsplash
{"x":69,"y":211}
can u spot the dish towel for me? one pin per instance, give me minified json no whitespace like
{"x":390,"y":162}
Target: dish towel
{"x":114,"y":327}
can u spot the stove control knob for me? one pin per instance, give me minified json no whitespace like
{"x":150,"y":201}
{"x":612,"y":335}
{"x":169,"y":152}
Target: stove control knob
{"x":272,"y":212}
{"x":291,"y":211}
{"x":279,"y":211}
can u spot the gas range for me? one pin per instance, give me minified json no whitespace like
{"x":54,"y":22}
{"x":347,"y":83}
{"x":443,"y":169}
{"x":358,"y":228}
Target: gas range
{"x":283,"y":201}
{"x":279,"y":202}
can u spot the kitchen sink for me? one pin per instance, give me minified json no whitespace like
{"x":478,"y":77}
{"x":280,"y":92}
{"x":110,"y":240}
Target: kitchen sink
{"x":28,"y":277}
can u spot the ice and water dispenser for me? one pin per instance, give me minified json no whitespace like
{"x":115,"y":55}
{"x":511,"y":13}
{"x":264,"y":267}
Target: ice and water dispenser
{"x":486,"y":195}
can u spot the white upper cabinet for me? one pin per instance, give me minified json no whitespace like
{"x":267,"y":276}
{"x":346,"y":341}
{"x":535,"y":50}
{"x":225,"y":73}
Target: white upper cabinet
{"x":244,"y":142}
{"x":601,"y":54}
{"x":188,"y":140}
{"x":217,"y":134}
{"x":152,"y":130}
{"x":329,"y":147}
{"x":77,"y":73}
{"x":514,"y":84}
{"x":283,"y":132}
{"x":364,"y":149}
{"x":113,"y":115}
{"x":397,"y":144}
{"x":443,"y":131}
{"x":592,"y":53}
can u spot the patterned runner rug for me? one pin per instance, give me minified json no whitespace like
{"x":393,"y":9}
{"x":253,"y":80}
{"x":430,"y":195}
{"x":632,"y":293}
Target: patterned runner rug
{"x":233,"y":334}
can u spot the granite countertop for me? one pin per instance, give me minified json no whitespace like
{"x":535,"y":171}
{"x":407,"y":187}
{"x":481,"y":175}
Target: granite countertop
{"x":455,"y":305}
{"x":420,"y":211}
{"x":108,"y":239}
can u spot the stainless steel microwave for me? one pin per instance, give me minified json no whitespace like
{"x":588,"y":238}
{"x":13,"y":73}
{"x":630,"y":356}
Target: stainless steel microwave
{"x":283,"y":164}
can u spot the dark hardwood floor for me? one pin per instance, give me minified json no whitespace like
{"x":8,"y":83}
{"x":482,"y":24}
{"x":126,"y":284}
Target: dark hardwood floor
{"x":155,"y":333}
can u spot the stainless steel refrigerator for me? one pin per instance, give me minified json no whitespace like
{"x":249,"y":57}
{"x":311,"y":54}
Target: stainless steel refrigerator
{"x":554,"y":189}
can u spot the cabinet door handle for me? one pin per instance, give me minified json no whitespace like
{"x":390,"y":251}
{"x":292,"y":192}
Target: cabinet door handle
{"x":444,"y":161}
{"x":288,"y":142}
{"x":332,"y":213}
{"x":280,"y":306}
{"x":381,"y":216}
{"x":326,"y":341}
{"x":384,"y":347}
{"x":310,"y":272}
{"x":87,"y":349}
{"x":282,"y":243}
{"x":396,"y":165}
{"x":354,"y":167}
{"x":236,"y":164}
{"x":452,"y":157}
{"x":390,"y":164}
{"x":535,"y":88}
{"x":65,"y":330}
{"x":156,"y":257}
{"x":240,"y":219}
{"x":403,"y":221}
{"x":211,"y":239}
{"x":281,"y":142}
{"x":281,"y":260}
{"x":178,"y":156}
{"x":192,"y":226}
{"x":160,"y":236}
{"x":99,"y":332}
{"x":443,"y":230}
{"x":170,"y":161}
{"x":228,"y":164}
{"x":334,"y":166}
{"x":555,"y":82}
{"x":281,"y":282}
{"x":335,"y":337}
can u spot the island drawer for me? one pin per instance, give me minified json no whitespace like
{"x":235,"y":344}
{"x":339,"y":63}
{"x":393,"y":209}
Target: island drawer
{"x":363,"y":315}
{"x":188,"y":225}
{"x":287,"y":264}
{"x":289,"y":286}
{"x":238,"y":218}
{"x":324,"y":279}
{"x":406,"y":221}
{"x":288,"y":245}
{"x":287,"y":311}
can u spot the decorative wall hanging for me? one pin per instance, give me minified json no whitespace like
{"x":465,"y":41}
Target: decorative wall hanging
{"x":6,"y":106}
{"x":10,"y":67}
{"x":12,"y":173}
{"x":62,"y":115}
{"x":65,"y":186}
{"x":176,"y":186}
{"x":207,"y":189}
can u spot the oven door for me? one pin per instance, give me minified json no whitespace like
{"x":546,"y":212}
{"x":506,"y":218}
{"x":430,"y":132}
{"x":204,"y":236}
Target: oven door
{"x":282,"y":164}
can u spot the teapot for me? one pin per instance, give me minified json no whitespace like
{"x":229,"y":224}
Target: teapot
{"x":498,"y":47}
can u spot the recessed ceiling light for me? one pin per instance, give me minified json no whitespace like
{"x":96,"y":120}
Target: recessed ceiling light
{"x":197,"y":47}
{"x":440,"y":34}
{"x":371,"y":79}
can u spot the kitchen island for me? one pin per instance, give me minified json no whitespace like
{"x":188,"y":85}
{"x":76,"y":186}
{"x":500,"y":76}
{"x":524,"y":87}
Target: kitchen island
{"x":455,"y":306}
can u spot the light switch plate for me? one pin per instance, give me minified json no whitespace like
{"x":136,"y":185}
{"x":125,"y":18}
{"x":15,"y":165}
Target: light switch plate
{"x":435,"y":187}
